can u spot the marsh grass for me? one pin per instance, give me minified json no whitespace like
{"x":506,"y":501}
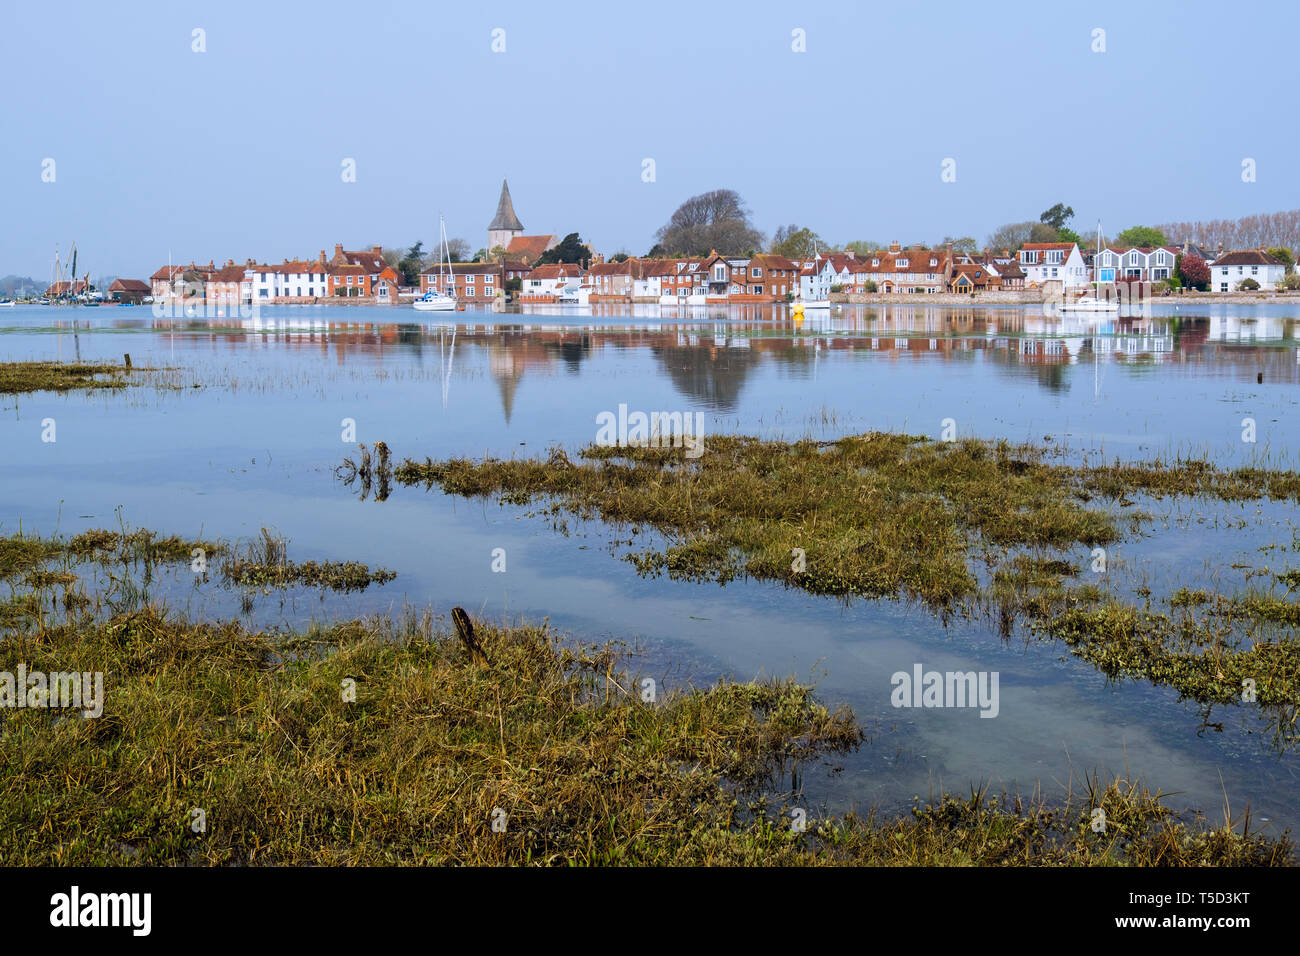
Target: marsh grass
{"x":265,"y":563}
{"x":976,"y":528}
{"x":20,"y":377}
{"x":256,"y":729}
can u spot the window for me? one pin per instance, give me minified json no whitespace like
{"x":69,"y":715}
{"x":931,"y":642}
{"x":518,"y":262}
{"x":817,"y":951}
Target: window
{"x":875,"y":262}
{"x":1053,"y":273}
{"x":1055,"y":255}
{"x":1254,"y":270}
{"x":934,"y":262}
{"x":488,"y":279}
{"x":469,"y":280}
{"x":719,"y":273}
{"x":758,"y":290}
{"x":902,"y":263}
{"x":1029,"y":256}
{"x":755,"y":273}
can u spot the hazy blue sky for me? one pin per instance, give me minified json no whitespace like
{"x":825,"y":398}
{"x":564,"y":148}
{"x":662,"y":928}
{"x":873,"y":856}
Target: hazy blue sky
{"x":237,"y":151}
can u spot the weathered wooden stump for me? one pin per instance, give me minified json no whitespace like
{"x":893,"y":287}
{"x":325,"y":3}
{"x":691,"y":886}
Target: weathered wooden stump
{"x":465,"y":631}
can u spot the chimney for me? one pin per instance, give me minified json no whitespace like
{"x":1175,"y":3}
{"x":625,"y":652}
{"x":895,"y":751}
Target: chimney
{"x":895,"y":247}
{"x":322,"y":257}
{"x":377,"y":250}
{"x":338,"y":250}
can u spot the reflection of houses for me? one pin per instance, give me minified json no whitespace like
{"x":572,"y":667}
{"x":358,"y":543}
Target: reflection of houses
{"x":1251,"y":328}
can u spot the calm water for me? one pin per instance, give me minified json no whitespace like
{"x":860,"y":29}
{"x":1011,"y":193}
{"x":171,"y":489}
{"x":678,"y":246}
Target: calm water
{"x":256,"y":444}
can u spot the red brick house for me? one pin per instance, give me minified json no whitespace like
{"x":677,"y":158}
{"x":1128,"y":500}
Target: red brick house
{"x":474,"y":283}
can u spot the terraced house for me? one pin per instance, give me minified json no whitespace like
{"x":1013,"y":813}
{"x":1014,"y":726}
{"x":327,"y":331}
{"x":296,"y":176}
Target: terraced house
{"x":1135,"y":263}
{"x":914,"y":270}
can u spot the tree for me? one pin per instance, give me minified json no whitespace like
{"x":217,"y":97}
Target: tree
{"x":1141,"y":236}
{"x":796,"y":243}
{"x":619,"y":257}
{"x":1247,"y":285}
{"x":965,"y":246}
{"x":408,"y":269}
{"x":1284,"y":256}
{"x":657,"y":251}
{"x":1068,"y":235}
{"x":1194,"y":271}
{"x":863,"y":247}
{"x":1057,"y":216}
{"x":1011,"y":236}
{"x":1042,"y":232}
{"x":458,"y":250}
{"x":569,"y":249}
{"x":716,"y":220}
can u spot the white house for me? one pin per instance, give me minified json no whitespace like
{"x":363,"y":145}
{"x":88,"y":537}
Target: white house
{"x":1053,"y":262}
{"x":816,"y":276}
{"x":1233,"y":268}
{"x":290,"y":280}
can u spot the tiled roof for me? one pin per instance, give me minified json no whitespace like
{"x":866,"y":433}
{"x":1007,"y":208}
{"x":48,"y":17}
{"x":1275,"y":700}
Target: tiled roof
{"x":529,"y":247}
{"x":128,"y":285}
{"x":1245,"y":257}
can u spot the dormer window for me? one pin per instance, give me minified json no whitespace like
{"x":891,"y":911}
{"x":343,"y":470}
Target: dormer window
{"x":719,"y":273}
{"x":1029,"y":256}
{"x":875,"y":262}
{"x":934,"y":262}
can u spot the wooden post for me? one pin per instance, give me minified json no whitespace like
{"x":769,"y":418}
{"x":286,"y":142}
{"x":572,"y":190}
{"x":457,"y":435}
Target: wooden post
{"x":127,"y":356}
{"x":465,"y":631}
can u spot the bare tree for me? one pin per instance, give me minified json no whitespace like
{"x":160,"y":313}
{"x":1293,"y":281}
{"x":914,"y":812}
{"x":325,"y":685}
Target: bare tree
{"x":716,"y":220}
{"x":1249,"y":232}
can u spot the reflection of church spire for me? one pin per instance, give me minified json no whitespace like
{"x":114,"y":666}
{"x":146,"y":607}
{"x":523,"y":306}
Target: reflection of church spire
{"x":506,"y":385}
{"x":507,"y":370}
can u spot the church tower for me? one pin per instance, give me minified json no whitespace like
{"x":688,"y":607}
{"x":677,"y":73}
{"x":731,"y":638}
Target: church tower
{"x":505,"y":225}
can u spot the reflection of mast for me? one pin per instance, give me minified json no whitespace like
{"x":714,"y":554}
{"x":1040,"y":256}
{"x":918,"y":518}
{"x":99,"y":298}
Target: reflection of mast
{"x":446,"y":363}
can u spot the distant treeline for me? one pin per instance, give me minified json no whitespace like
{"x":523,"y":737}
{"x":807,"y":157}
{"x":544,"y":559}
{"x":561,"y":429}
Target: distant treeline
{"x":1261,"y":231}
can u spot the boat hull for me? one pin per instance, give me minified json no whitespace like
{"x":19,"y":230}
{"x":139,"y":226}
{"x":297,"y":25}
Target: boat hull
{"x":437,"y":305}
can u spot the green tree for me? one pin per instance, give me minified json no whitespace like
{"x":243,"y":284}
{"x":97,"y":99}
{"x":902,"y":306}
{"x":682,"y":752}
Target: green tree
{"x":794,"y":242}
{"x":863,"y":247}
{"x":1057,"y":216}
{"x":1068,"y":235}
{"x":965,"y":246}
{"x":569,"y":249}
{"x":1141,"y":236}
{"x":1284,"y":256}
{"x":619,"y":257}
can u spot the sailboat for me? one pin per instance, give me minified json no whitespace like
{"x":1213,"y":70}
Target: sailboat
{"x":436,"y":299}
{"x":1090,"y":303}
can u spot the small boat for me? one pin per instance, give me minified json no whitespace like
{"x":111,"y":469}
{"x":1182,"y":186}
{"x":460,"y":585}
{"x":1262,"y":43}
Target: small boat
{"x":1090,"y":303}
{"x":809,"y":305}
{"x":7,"y":304}
{"x":434,"y":300}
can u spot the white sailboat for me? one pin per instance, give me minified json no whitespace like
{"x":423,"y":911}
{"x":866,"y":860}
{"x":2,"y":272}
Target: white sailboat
{"x":442,"y":297}
{"x":1090,"y":303}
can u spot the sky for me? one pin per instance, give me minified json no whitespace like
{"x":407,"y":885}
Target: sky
{"x":239,"y":151}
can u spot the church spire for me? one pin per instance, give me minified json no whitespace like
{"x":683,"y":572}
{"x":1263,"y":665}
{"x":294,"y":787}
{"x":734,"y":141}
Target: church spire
{"x":505,"y":219}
